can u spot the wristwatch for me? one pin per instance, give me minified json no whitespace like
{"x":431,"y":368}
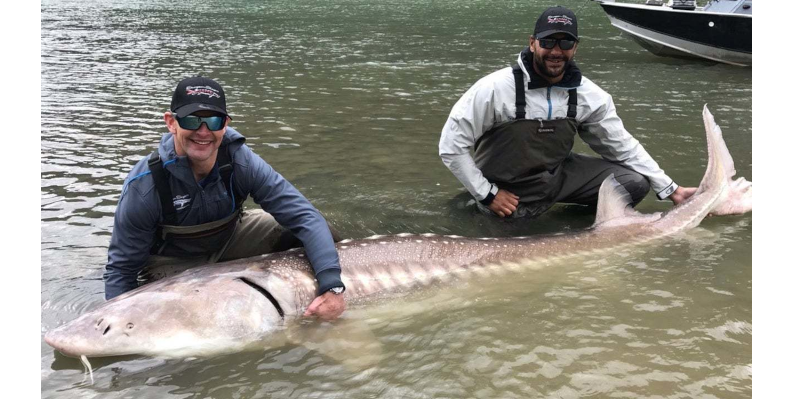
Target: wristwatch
{"x":337,"y":290}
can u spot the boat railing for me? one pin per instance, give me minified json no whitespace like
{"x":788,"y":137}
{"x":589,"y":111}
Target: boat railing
{"x":684,"y":5}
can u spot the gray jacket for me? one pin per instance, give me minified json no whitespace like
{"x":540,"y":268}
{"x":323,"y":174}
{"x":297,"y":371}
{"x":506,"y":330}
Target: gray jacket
{"x":491,"y":102}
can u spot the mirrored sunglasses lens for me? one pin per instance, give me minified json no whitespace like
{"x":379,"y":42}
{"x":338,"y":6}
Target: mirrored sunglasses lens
{"x":192,"y":122}
{"x":189,"y":122}
{"x":214,"y":123}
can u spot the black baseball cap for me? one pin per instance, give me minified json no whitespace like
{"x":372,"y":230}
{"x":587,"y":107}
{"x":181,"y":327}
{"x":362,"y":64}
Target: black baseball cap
{"x":556,"y":19}
{"x":197,"y":94}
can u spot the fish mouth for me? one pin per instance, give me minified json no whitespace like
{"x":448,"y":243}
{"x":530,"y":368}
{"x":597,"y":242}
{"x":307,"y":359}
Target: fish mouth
{"x":264,"y":292}
{"x":87,"y":335}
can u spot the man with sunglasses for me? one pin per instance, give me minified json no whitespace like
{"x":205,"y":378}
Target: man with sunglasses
{"x":521,"y":123}
{"x":181,"y":206}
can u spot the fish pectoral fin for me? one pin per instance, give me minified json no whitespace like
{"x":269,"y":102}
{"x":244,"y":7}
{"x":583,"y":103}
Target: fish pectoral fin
{"x":614,"y":205}
{"x":348,"y":341}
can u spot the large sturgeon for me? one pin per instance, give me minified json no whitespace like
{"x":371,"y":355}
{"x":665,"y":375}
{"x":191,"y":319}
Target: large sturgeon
{"x":228,"y":307}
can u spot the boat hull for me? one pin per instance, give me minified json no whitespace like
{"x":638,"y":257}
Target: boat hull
{"x":719,"y":37}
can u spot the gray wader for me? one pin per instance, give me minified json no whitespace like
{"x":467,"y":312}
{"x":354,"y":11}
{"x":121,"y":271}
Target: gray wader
{"x":250,"y":233}
{"x":533,"y":159}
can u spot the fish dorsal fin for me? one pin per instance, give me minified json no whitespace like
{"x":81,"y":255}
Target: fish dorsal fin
{"x":614,"y":204}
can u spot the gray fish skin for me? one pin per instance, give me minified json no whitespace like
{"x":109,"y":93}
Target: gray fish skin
{"x":230,"y":307}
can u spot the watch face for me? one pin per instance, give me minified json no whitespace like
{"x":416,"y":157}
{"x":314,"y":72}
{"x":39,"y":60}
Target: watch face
{"x":337,"y":290}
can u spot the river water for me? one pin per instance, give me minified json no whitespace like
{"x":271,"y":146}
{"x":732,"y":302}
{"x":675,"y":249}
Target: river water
{"x":347,"y":98}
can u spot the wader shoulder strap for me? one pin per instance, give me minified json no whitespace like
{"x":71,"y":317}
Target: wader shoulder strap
{"x":165,"y":192}
{"x":162,"y":188}
{"x":166,"y":232}
{"x":572,"y":111}
{"x":520,"y":91}
{"x":225,"y":172}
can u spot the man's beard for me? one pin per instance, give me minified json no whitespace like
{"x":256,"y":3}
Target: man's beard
{"x":554,"y":72}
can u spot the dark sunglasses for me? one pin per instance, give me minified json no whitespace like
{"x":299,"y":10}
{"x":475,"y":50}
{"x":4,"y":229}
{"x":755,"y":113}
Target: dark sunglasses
{"x":193,"y":122}
{"x":564,"y":44}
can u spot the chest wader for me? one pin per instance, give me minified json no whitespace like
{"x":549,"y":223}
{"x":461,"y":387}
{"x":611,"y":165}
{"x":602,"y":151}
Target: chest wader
{"x":525,"y":156}
{"x":209,"y":239}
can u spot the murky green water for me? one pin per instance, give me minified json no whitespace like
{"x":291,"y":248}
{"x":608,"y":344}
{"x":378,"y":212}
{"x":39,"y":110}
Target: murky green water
{"x":347,"y":100}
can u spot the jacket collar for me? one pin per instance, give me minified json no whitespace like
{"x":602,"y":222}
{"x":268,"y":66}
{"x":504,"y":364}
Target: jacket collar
{"x":572,"y":75}
{"x":179,"y":166}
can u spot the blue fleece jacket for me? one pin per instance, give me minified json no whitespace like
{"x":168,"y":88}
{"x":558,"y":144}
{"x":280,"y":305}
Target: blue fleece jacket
{"x":139,"y":211}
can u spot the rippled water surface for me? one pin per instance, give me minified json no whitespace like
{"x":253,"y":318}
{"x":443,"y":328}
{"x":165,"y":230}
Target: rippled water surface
{"x":347,"y":100}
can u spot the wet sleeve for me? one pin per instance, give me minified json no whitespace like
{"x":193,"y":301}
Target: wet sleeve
{"x":466,"y":171}
{"x":131,"y":239}
{"x":603,"y":131}
{"x":469,"y":119}
{"x":293,"y":211}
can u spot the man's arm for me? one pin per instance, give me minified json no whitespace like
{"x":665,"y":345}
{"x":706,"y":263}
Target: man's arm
{"x":469,"y":119}
{"x":293,"y":211}
{"x":131,"y":239}
{"x":327,"y":306}
{"x":466,"y":171}
{"x":471,"y":116}
{"x":682,"y":194}
{"x":604,"y":132}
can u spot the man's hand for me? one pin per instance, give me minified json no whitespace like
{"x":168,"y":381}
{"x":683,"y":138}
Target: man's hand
{"x":504,"y":203}
{"x":328,"y":306}
{"x":681,"y":194}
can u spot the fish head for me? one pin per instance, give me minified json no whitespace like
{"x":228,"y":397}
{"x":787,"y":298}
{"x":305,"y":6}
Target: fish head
{"x":176,"y":317}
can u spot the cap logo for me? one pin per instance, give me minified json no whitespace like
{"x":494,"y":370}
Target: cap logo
{"x":559,"y":19}
{"x":202,"y":90}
